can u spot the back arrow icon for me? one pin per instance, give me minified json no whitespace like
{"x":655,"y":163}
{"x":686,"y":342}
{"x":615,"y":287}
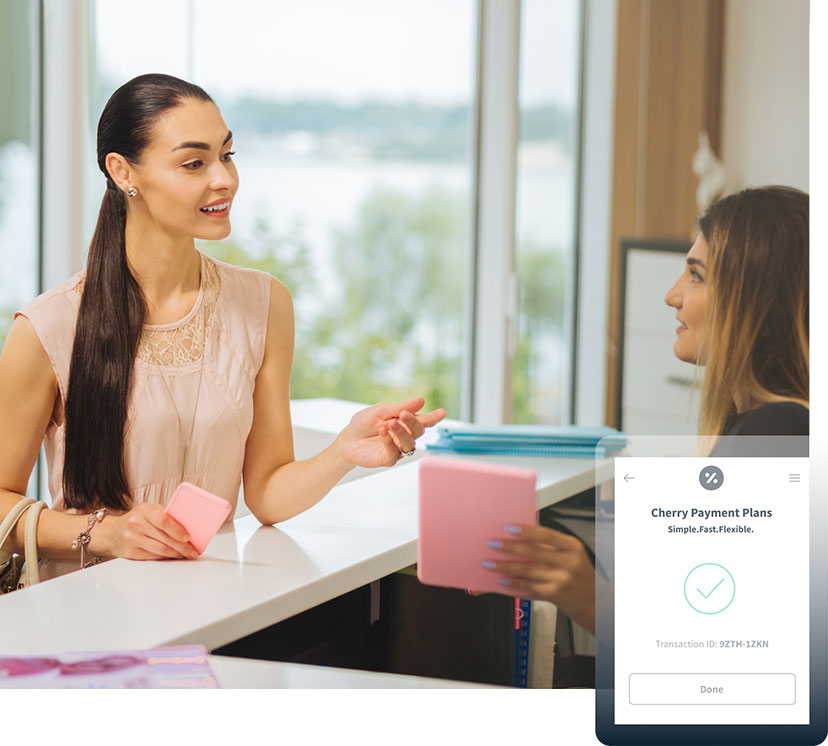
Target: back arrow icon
{"x":627,"y":477}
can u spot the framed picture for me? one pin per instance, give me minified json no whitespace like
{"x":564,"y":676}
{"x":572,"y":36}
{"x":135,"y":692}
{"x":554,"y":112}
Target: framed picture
{"x":655,"y":390}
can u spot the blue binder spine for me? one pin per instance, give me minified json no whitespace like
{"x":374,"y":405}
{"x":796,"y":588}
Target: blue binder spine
{"x":523,"y":613}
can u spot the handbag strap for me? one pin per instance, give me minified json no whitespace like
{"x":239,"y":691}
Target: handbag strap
{"x":30,"y":544}
{"x":10,"y":521}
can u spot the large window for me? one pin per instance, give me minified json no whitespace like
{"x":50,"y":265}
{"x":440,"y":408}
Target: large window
{"x":19,"y":162}
{"x":354,"y":150}
{"x":354,"y":125}
{"x":545,"y":219}
{"x":18,"y":159}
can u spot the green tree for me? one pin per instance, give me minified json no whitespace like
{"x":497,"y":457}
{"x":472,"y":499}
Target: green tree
{"x":287,"y":258}
{"x":394,"y":329}
{"x":542,"y":278}
{"x":401,"y":312}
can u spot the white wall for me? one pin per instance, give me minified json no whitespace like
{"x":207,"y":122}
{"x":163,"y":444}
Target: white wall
{"x":765,"y":93}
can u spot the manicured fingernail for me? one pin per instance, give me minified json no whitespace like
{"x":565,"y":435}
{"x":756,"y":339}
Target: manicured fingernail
{"x":513,"y":529}
{"x":495,"y":543}
{"x":383,"y":432}
{"x":395,"y":425}
{"x":488,"y":564}
{"x":185,"y":539}
{"x":504,"y":581}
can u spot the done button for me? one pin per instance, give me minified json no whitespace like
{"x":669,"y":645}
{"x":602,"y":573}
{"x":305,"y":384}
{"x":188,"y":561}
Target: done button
{"x":712,"y":689}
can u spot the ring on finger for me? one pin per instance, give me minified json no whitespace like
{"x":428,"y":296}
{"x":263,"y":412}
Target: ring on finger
{"x":408,"y":453}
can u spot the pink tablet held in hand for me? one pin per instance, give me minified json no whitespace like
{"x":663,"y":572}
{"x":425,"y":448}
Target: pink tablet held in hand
{"x":463,"y":504}
{"x":201,"y":513}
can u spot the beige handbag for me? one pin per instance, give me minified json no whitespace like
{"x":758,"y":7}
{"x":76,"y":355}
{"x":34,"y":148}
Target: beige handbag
{"x":19,"y":571}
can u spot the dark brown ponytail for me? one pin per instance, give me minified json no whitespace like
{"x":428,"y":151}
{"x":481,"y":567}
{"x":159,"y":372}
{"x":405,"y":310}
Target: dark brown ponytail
{"x":112,"y":308}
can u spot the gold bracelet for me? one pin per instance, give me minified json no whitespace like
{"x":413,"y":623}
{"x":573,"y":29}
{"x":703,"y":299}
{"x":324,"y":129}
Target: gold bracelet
{"x":84,"y":537}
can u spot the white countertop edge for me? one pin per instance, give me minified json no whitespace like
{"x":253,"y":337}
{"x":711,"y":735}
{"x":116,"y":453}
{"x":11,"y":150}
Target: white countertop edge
{"x":242,"y":673}
{"x":296,"y":601}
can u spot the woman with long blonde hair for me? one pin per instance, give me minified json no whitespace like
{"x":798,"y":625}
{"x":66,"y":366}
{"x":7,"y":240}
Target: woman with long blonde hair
{"x":742,"y":303}
{"x":742,"y":306}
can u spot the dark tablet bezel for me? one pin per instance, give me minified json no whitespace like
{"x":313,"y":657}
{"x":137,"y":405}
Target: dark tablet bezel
{"x":608,"y":732}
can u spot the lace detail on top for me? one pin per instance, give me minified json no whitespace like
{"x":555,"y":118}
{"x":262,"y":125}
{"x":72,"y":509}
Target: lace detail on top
{"x":182,"y":344}
{"x":171,"y":344}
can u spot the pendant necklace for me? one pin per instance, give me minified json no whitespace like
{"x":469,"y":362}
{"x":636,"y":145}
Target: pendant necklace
{"x":186,"y":451}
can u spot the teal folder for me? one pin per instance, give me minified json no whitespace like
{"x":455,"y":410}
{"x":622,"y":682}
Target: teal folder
{"x":567,"y":441}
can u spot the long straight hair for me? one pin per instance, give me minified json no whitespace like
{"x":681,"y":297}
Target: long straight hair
{"x":756,"y":317}
{"x":112,"y":307}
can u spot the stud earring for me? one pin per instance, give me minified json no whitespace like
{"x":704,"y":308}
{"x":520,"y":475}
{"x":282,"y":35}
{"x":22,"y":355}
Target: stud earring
{"x":132,"y":191}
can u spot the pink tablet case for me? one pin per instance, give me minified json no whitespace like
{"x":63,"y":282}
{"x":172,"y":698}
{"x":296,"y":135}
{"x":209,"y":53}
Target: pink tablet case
{"x":463,"y":504}
{"x":200,"y":512}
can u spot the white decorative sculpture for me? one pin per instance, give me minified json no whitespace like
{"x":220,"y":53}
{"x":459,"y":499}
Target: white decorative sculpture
{"x":710,"y":173}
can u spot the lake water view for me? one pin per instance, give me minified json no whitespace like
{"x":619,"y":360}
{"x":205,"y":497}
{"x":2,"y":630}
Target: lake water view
{"x":324,"y":196}
{"x":292,"y":189}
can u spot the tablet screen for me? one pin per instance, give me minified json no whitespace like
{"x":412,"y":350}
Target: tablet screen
{"x":710,"y":599}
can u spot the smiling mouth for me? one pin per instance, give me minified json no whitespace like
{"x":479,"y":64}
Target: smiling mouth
{"x":216,"y":210}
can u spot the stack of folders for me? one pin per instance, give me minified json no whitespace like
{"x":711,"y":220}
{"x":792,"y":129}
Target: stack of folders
{"x":563,"y":441}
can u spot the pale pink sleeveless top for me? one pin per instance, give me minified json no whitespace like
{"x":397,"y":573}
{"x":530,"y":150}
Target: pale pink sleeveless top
{"x":230,"y":317}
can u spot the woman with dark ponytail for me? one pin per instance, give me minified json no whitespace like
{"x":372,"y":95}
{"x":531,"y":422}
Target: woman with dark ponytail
{"x":156,"y":364}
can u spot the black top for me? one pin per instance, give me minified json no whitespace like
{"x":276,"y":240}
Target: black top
{"x":777,"y":419}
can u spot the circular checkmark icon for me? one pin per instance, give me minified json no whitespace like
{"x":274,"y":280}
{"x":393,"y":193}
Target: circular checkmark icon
{"x":709,"y":588}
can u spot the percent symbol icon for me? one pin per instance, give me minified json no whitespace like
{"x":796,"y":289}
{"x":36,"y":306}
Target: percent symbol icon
{"x":711,"y":477}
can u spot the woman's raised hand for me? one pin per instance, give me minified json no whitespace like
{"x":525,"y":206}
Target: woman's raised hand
{"x":144,"y":533}
{"x":379,"y":435}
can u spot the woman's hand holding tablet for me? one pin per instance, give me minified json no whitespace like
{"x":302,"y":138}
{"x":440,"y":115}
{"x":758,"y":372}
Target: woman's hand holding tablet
{"x":463,"y":506}
{"x":552,"y":566}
